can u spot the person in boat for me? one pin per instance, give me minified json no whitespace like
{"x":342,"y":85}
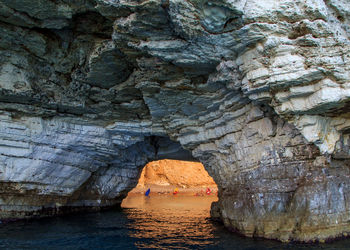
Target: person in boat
{"x":147,"y":192}
{"x":176,"y":190}
{"x":208,"y":191}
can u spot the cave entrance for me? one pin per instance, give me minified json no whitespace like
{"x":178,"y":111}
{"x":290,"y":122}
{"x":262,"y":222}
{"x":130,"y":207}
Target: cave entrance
{"x":162,"y":218}
{"x":173,"y":168}
{"x":174,"y":185}
{"x":175,"y":177}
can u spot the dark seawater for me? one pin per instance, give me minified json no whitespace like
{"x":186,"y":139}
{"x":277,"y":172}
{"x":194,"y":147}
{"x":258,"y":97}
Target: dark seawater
{"x":170,"y":222}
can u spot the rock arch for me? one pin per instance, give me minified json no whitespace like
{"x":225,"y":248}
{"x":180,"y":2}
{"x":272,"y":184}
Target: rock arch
{"x":256,"y":91}
{"x":54,"y":166}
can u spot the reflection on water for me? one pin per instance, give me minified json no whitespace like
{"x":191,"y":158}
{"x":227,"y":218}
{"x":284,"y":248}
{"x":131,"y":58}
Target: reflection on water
{"x":165,"y":221}
{"x":162,"y":222}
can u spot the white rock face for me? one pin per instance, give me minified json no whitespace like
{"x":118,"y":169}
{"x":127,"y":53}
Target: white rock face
{"x":257,"y":91}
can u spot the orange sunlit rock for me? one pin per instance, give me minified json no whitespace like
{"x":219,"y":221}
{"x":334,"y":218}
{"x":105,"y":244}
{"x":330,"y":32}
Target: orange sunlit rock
{"x":164,"y":175}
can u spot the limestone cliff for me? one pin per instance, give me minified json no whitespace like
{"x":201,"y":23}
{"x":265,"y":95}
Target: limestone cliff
{"x":256,"y":90}
{"x":165,"y":175}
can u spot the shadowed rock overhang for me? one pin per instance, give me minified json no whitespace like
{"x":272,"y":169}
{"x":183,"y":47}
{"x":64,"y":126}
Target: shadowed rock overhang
{"x":258,"y":91}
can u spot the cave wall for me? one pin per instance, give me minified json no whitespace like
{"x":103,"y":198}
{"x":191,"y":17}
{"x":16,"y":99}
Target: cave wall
{"x":90,"y":91}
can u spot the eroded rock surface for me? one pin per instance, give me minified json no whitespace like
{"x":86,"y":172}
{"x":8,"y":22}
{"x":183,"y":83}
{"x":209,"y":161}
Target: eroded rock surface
{"x":256,"y":90}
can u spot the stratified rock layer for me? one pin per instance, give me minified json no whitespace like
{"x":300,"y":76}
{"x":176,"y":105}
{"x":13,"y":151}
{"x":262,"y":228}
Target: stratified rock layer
{"x":258,"y":91}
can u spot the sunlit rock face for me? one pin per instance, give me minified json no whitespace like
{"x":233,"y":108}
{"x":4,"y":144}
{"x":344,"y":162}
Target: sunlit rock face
{"x":256,"y":90}
{"x":164,"y":175}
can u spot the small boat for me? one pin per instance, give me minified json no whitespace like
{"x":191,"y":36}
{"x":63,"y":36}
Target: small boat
{"x":147,"y":192}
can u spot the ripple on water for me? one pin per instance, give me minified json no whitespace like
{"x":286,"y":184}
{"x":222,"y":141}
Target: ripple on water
{"x":166,"y":222}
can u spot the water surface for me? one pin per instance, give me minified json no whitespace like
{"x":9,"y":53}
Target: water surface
{"x":166,"y":222}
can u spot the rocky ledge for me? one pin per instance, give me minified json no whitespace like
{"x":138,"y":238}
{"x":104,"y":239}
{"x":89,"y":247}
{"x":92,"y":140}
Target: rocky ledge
{"x":258,"y":91}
